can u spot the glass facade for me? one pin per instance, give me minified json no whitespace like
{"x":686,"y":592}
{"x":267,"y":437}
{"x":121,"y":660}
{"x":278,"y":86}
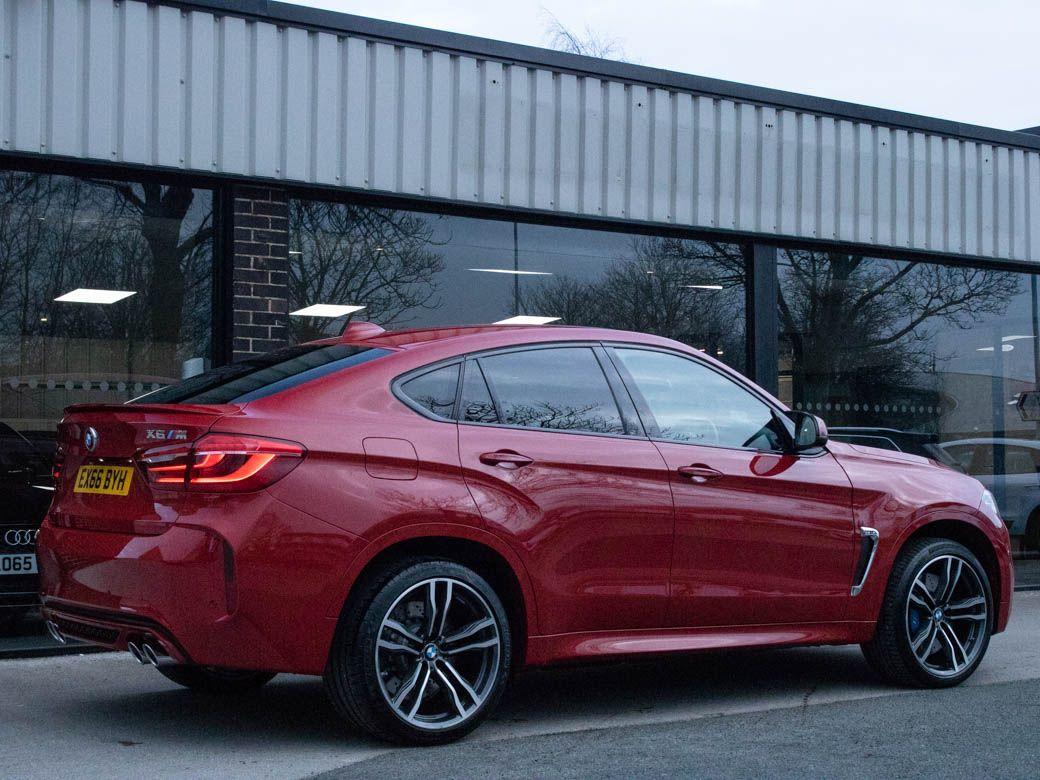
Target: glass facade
{"x":940,"y":360}
{"x":106,"y":292}
{"x":412,"y":269}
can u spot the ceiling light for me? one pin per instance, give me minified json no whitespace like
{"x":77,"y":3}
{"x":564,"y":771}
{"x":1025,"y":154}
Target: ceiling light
{"x":86,"y":295}
{"x":1003,"y":348}
{"x":43,"y":319}
{"x":378,"y":249}
{"x":1016,"y":338}
{"x":511,"y":271}
{"x":703,"y":286}
{"x":525,"y":319}
{"x":295,"y":252}
{"x":325,"y":310}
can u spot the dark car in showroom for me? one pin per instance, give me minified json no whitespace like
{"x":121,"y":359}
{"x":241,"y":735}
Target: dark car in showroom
{"x":26,"y":488}
{"x":414,"y":515}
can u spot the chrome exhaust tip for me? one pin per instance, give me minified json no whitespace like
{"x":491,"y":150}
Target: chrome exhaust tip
{"x":149,"y":654}
{"x":135,"y":651}
{"x":55,"y":632}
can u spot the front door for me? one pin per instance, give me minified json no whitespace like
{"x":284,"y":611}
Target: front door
{"x":557,"y":466}
{"x":762,"y":536}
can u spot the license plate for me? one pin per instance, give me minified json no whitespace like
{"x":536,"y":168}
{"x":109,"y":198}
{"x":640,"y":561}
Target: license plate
{"x":107,"y":480}
{"x":20,"y":563}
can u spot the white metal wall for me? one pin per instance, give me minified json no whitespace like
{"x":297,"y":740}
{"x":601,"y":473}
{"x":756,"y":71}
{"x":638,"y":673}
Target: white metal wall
{"x":129,"y":82}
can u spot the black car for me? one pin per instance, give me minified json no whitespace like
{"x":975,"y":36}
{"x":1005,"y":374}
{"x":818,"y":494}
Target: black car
{"x":26,"y":486}
{"x":924,"y":444}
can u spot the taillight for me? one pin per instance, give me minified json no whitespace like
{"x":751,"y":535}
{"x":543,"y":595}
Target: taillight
{"x":221,"y":463}
{"x":57,"y":465}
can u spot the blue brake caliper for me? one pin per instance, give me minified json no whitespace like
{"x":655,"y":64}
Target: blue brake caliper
{"x":915,"y":621}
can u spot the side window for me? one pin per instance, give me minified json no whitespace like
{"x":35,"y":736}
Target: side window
{"x":560,"y":389}
{"x":434,"y":390}
{"x":696,"y":405}
{"x":476,"y":403}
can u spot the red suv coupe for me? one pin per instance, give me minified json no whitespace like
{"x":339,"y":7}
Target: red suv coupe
{"x":415,"y":514}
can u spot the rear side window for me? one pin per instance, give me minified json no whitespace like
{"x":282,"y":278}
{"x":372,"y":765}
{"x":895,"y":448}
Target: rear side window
{"x":476,"y":404}
{"x":560,"y":389}
{"x":434,"y":390}
{"x":263,"y":375}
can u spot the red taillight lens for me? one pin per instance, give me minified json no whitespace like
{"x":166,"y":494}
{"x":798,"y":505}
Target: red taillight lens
{"x":221,"y":463}
{"x":58,"y":465}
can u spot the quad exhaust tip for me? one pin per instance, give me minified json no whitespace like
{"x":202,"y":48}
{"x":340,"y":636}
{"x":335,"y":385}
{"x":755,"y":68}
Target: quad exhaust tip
{"x":55,"y":632}
{"x":150,"y":656}
{"x":136,"y":652}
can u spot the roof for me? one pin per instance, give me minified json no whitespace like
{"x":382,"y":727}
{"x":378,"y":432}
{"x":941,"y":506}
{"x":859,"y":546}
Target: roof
{"x":316,"y":18}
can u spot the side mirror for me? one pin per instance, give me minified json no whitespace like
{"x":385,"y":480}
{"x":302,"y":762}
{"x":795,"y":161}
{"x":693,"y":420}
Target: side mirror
{"x":810,"y":432}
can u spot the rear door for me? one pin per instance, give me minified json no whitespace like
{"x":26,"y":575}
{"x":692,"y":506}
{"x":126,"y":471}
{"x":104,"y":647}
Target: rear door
{"x":761,"y":536}
{"x":556,"y":461}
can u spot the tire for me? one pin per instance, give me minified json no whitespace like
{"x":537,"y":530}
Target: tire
{"x":937,"y":638}
{"x":439,"y":679}
{"x":214,"y":681}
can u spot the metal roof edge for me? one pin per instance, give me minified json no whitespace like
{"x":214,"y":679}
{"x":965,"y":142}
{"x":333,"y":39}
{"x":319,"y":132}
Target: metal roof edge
{"x":291,"y":14}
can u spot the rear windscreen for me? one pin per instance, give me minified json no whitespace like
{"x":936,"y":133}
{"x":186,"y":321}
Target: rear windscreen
{"x":263,"y":375}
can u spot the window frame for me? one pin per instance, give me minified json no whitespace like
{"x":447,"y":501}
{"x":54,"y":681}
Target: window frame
{"x":649,"y":421}
{"x":398,"y":382}
{"x":627,"y":411}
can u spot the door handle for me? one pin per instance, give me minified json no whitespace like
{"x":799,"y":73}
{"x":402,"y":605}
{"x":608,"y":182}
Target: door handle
{"x":506,"y":459}
{"x":699,"y":473}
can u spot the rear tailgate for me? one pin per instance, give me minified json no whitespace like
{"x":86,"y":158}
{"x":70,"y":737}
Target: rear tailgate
{"x":100,"y":486}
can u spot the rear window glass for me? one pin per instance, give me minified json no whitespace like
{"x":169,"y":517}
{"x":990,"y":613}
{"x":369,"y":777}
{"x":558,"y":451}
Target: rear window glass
{"x":560,"y":389}
{"x":435,"y":390}
{"x":477,"y":405}
{"x":263,"y":375}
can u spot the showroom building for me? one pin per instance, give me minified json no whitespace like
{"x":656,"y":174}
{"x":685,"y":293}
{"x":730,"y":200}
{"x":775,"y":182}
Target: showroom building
{"x":184,"y":184}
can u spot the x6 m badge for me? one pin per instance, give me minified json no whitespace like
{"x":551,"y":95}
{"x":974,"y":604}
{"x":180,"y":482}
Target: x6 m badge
{"x":158,"y":434}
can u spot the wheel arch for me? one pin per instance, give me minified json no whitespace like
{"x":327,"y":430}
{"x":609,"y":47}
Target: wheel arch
{"x":967,"y":534}
{"x":470,"y":547}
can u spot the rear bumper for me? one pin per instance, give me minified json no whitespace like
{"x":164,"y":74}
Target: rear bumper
{"x":237,"y":593}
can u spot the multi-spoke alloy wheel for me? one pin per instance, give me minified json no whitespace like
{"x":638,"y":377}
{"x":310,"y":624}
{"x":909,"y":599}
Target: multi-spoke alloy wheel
{"x":438,"y":653}
{"x":947,"y":615}
{"x":422,"y":653}
{"x":935,"y":622}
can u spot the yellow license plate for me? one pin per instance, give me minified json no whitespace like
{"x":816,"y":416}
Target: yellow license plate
{"x":107,"y":480}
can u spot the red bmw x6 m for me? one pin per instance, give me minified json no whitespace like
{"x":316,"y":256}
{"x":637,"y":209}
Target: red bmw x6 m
{"x":415,"y":514}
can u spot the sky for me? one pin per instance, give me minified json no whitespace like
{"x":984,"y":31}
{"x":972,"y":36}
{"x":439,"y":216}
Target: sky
{"x":969,"y":61}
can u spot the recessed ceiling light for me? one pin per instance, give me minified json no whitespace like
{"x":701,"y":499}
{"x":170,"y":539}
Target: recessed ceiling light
{"x":86,"y":295}
{"x":511,"y":271}
{"x":1003,"y":348}
{"x":703,"y":286}
{"x":325,"y":310}
{"x":525,"y":319}
{"x":295,"y":252}
{"x":1015,"y":338}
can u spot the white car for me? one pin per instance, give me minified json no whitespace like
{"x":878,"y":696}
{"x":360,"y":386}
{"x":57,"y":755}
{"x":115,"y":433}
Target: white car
{"x":1010,"y":469}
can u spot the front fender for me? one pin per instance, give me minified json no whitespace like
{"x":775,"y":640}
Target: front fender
{"x":894,"y":536}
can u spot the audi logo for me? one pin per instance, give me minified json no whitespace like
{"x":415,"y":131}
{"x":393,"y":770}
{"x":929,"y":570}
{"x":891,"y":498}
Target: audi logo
{"x":20,"y":538}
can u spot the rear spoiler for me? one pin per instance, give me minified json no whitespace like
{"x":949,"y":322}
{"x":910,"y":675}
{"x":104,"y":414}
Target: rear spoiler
{"x":215,"y":410}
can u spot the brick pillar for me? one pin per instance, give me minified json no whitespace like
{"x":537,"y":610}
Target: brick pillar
{"x":260,"y":275}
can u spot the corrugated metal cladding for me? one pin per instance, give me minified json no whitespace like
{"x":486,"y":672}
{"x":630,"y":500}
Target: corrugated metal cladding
{"x":137,"y":83}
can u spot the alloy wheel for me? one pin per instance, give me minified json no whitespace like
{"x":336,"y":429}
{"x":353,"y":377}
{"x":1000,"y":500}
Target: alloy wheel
{"x":947,"y":616}
{"x":438,"y":653}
